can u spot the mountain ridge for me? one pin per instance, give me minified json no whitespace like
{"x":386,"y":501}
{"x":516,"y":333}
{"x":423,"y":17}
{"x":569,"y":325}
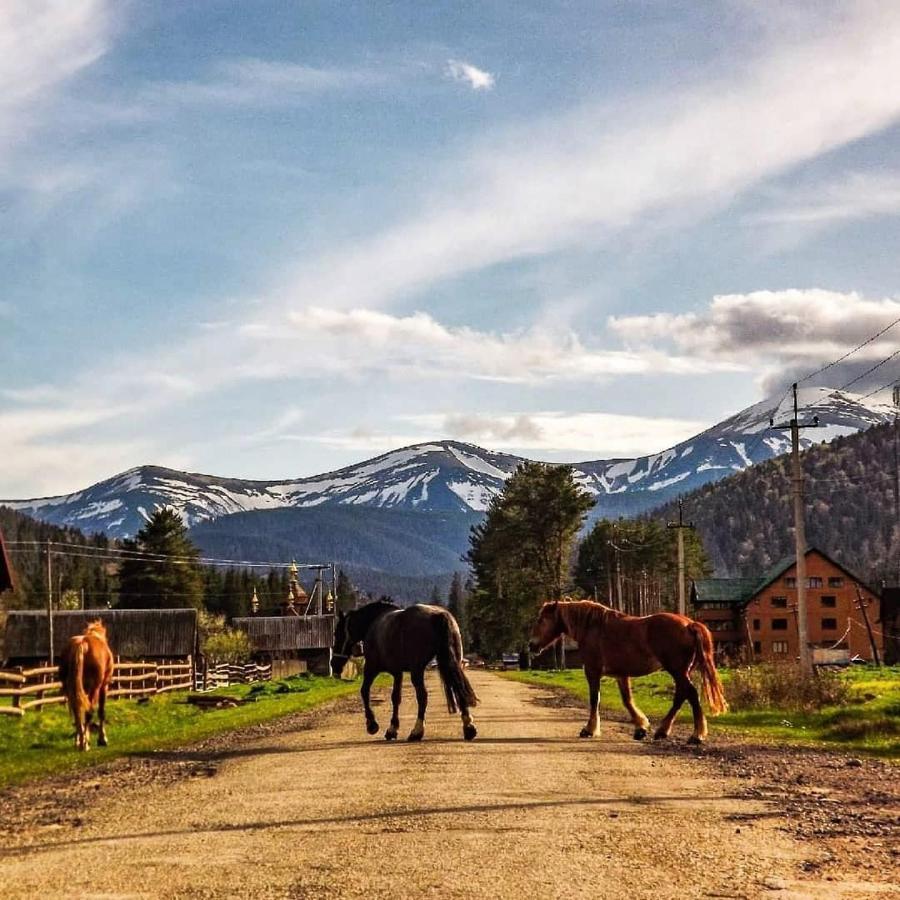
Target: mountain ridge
{"x":449,"y":476}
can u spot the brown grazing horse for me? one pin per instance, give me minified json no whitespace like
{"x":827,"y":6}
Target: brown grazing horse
{"x":86,"y":671}
{"x":398,"y":640}
{"x":612,"y":643}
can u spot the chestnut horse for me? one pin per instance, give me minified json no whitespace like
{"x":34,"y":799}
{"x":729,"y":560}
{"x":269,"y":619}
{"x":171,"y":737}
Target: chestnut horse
{"x":613,"y":643}
{"x":86,"y":670}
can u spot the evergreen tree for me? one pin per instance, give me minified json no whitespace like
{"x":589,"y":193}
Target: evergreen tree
{"x":347,"y":595}
{"x":520,"y":553}
{"x":435,"y":598}
{"x":456,"y":600}
{"x":173,"y":579}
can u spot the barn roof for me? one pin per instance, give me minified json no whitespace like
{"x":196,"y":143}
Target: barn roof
{"x":734,"y":591}
{"x":132,"y":633}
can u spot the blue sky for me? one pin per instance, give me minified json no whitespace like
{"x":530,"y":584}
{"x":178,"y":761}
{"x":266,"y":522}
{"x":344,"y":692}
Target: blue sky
{"x":270,"y":239}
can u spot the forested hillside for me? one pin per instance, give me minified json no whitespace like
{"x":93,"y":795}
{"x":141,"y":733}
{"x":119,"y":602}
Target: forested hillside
{"x":746,"y":521}
{"x":72,"y":574}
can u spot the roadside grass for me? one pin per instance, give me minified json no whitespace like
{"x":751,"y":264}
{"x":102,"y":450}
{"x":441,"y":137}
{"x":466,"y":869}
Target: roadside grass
{"x":868,"y":723}
{"x":40,"y":743}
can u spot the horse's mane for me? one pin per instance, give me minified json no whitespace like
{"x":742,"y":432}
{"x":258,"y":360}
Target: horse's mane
{"x":579,"y":615}
{"x":364,"y":616}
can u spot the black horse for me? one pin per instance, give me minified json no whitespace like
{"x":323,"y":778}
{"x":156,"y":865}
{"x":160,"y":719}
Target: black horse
{"x":398,"y":640}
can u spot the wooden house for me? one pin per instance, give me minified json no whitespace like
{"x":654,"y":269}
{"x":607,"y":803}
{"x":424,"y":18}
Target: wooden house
{"x":758,"y":617}
{"x":280,"y":639}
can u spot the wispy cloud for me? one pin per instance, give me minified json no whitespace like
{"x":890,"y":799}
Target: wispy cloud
{"x":466,"y":73}
{"x":853,"y":196}
{"x":593,"y":173}
{"x":43,"y":43}
{"x":255,"y":82}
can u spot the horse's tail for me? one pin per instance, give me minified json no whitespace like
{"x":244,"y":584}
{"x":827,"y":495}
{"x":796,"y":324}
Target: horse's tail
{"x":74,"y":684}
{"x":706,"y":665}
{"x":457,"y":687}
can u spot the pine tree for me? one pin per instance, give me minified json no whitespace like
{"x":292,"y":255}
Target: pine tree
{"x":520,"y":553}
{"x":347,"y":595}
{"x":173,"y":578}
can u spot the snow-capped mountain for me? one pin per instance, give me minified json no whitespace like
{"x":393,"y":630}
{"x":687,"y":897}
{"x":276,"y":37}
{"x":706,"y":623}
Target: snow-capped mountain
{"x":449,"y":476}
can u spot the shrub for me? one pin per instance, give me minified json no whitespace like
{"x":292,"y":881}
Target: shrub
{"x":227,"y":646}
{"x":782,"y":686}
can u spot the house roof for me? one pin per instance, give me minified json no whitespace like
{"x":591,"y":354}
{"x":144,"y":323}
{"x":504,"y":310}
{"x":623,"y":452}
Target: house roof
{"x":740,"y":591}
{"x":737,"y":591}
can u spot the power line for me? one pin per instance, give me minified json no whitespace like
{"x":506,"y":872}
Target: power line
{"x":849,"y":353}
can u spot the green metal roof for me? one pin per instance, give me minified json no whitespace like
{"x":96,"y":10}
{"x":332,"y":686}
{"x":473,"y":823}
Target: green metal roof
{"x":737,"y":591}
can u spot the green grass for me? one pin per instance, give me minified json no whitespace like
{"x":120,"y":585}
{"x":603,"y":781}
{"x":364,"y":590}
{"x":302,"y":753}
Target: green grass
{"x":869,"y":723}
{"x":41,"y":744}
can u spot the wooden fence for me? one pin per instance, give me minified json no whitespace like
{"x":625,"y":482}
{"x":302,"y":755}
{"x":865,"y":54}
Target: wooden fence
{"x":34,"y":688}
{"x":214,"y":677}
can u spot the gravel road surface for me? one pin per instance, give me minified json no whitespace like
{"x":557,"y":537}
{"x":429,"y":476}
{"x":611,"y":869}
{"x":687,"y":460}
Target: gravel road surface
{"x":527,"y":810}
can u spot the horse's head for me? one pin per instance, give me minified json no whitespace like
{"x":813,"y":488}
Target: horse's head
{"x":96,"y":628}
{"x":548,"y":628}
{"x":345,"y":641}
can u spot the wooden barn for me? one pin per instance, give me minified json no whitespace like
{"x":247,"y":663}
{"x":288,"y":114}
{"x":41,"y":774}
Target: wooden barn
{"x":284,"y":639}
{"x":146,"y":634}
{"x":758,"y":617}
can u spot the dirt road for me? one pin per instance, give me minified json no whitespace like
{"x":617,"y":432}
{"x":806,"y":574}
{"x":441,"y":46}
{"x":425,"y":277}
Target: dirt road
{"x":527,"y":810}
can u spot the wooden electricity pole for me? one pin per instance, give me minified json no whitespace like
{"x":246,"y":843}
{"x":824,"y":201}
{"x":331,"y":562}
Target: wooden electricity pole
{"x":799,"y":531}
{"x":862,"y":606}
{"x":680,"y":526}
{"x":49,"y":602}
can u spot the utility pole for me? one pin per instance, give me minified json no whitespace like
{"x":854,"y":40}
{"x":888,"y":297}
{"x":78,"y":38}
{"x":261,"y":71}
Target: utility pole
{"x":49,"y":603}
{"x":896,"y":397}
{"x":862,"y":606}
{"x":799,"y":530}
{"x":680,"y":525}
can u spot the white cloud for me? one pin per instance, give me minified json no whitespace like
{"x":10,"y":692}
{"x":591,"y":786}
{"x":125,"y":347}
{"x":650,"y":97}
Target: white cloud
{"x":466,"y":73}
{"x":781,"y":335}
{"x":583,"y":434}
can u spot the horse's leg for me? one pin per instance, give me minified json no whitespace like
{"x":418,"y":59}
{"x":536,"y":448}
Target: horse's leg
{"x":662,"y":732}
{"x":639,"y":720}
{"x":369,"y":673}
{"x":101,"y":717}
{"x":417,"y":676}
{"x":593,"y":680}
{"x":700,"y":729}
{"x":391,"y":733}
{"x":470,"y":732}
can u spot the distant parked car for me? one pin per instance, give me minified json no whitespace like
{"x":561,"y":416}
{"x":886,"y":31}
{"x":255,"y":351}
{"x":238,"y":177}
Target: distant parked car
{"x":510,"y":660}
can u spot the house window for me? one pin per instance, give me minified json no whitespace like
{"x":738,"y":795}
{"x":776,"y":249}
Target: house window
{"x":756,"y":624}
{"x":779,"y":624}
{"x":779,"y":602}
{"x":779,"y":646}
{"x":829,"y":624}
{"x":835,"y":581}
{"x":790,"y":582}
{"x":814,"y":582}
{"x":757,"y":646}
{"x":830,"y":602}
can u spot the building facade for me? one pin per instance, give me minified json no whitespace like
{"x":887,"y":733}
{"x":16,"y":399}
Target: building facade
{"x":758,"y":618}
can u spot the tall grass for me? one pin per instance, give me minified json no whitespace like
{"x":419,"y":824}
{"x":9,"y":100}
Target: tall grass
{"x":784,"y":686}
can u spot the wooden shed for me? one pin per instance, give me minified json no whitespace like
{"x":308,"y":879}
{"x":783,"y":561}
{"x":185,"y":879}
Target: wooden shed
{"x":133,"y":633}
{"x":278,"y":638}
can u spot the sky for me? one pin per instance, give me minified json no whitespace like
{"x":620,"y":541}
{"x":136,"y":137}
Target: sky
{"x":266,"y":240}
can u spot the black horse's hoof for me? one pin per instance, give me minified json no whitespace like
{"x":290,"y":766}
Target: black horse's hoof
{"x":585,"y":733}
{"x":372,"y":726}
{"x":101,"y":741}
{"x":660,"y":736}
{"x":390,"y":735}
{"x":640,"y":734}
{"x":415,"y":736}
{"x":469,"y":732}
{"x":696,"y":741}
